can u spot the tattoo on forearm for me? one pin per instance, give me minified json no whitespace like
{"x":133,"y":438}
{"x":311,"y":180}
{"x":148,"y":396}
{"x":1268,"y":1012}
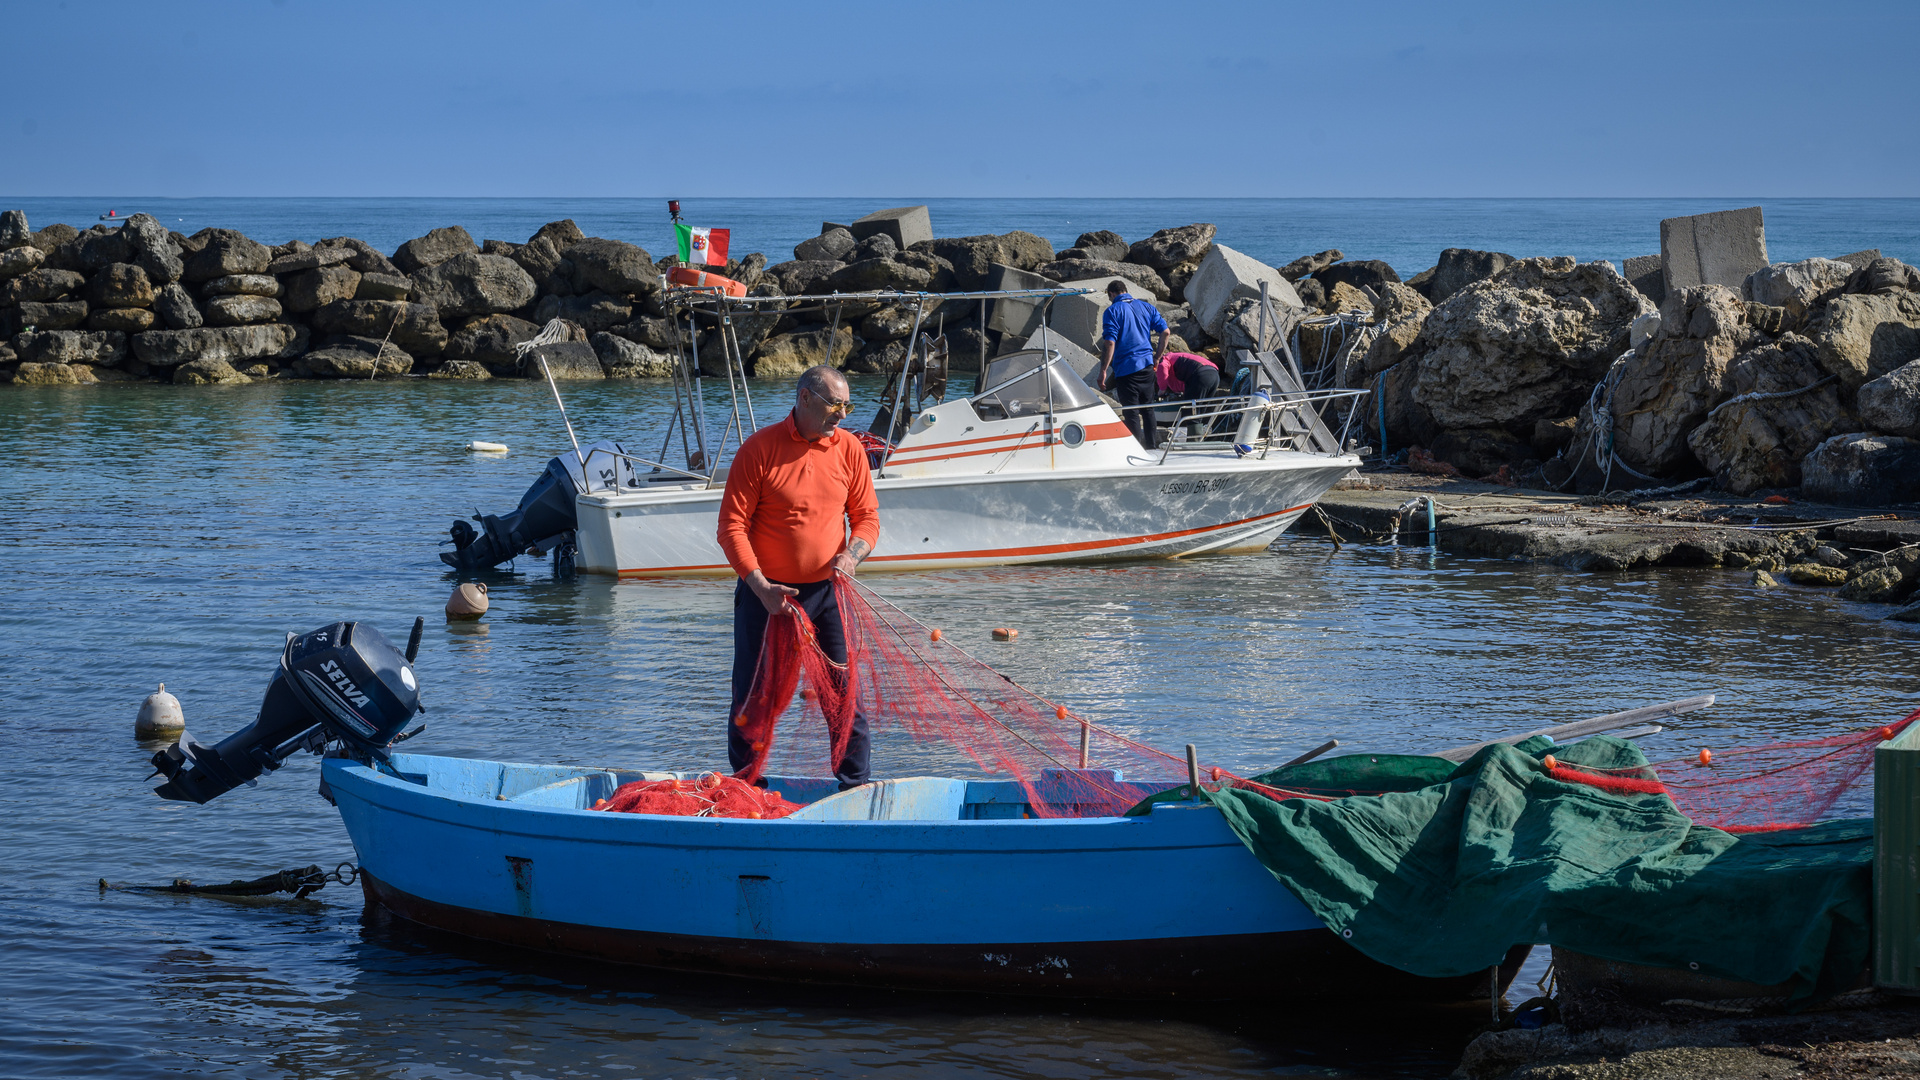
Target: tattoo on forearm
{"x":859,"y":549}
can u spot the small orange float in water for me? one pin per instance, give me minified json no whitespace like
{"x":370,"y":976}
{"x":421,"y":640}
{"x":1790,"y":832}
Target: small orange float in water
{"x":1059,"y":712}
{"x":809,"y":694}
{"x":1550,"y":762}
{"x":1005,"y":633}
{"x":934,"y":635}
{"x":1706,"y":756}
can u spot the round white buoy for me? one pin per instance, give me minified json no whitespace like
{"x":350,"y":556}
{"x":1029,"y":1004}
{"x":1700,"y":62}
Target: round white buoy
{"x":469,"y":601}
{"x":160,"y":715}
{"x":487,"y":447}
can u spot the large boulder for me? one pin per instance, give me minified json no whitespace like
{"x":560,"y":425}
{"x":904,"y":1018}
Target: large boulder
{"x":130,"y":320}
{"x":377,"y":286}
{"x":1226,"y":275}
{"x":1308,"y":265}
{"x":800,"y":277}
{"x":877,"y":275}
{"x":540,"y":255}
{"x":566,"y":360}
{"x":1667,"y":388}
{"x":1461,"y":267}
{"x":1359,"y":273}
{"x":1890,"y":404}
{"x":1526,"y":344}
{"x":460,"y":369}
{"x":1169,"y":248}
{"x":434,"y":248}
{"x":1798,"y":286}
{"x":1863,"y":336}
{"x":100,"y":246}
{"x":154,"y":249}
{"x":224,"y":252}
{"x":101,"y":348}
{"x":296,"y":262}
{"x":1399,"y":315}
{"x":471,"y":284}
{"x":1720,"y":248}
{"x":176,"y":308}
{"x":490,"y":340}
{"x":366,"y":258}
{"x":830,"y":246}
{"x":787,"y":355}
{"x":623,"y":359}
{"x":414,"y":327}
{"x":1863,"y":470}
{"x":57,"y":315}
{"x":906,"y":225}
{"x":612,"y":266}
{"x":17,"y":261}
{"x":13,"y":230}
{"x":354,"y":358}
{"x":121,"y":285}
{"x":1783,"y":407}
{"x":1088,"y":269}
{"x":595,"y":312}
{"x":1102,"y":244}
{"x":208,"y":372}
{"x":243,"y":285}
{"x":52,"y":236}
{"x":40,"y":286}
{"x":38,"y":374}
{"x":171,"y":348}
{"x":973,"y":257}
{"x":1884,"y":275}
{"x":311,"y":288}
{"x":241,"y":310}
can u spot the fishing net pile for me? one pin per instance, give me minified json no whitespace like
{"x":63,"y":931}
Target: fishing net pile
{"x":711,"y":795}
{"x":904,"y":675}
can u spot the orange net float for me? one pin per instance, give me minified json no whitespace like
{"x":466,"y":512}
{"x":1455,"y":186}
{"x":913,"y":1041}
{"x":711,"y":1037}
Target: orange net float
{"x":701,"y":279}
{"x":934,"y":634}
{"x":1706,"y":756}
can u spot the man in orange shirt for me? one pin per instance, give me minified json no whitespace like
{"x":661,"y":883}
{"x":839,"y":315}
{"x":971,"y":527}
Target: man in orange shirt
{"x":799,"y":507}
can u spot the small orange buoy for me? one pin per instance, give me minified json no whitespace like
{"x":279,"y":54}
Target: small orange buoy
{"x":1776,"y":500}
{"x":1550,"y":762}
{"x":934,"y":635}
{"x":1059,"y":712}
{"x":469,"y":601}
{"x":1216,"y":773}
{"x":1706,"y":756}
{"x":809,"y":694}
{"x":1885,"y":733}
{"x":1005,"y":633}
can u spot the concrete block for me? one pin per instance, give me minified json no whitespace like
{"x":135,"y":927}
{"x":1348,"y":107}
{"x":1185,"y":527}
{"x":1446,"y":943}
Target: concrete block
{"x":1018,"y":317}
{"x":1083,"y":363}
{"x":1859,"y":259}
{"x":1713,"y":249}
{"x":1077,"y":318}
{"x":1647,"y":273}
{"x":1225,"y":275}
{"x":908,"y":225}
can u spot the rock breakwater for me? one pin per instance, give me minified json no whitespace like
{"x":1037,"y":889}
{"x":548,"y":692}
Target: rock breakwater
{"x":1707,"y":362}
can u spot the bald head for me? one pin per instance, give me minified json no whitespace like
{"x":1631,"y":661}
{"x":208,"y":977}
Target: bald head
{"x":824,"y":381}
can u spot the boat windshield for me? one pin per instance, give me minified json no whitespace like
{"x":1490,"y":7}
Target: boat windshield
{"x":1026,"y":395}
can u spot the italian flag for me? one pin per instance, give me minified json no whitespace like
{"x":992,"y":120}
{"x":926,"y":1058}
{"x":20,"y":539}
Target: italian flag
{"x":702,"y":247}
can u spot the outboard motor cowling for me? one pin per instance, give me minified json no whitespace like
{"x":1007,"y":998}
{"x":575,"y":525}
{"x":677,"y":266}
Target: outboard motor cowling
{"x":343,"y":683}
{"x":545,"y":514}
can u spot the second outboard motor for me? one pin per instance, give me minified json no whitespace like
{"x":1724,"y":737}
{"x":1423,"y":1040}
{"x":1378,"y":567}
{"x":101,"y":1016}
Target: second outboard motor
{"x":545,"y":515}
{"x":344,"y":683}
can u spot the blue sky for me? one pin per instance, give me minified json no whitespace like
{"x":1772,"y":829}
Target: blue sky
{"x":1181,"y":98}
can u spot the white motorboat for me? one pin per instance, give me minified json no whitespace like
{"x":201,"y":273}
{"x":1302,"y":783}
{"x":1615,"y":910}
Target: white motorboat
{"x":1033,"y":467}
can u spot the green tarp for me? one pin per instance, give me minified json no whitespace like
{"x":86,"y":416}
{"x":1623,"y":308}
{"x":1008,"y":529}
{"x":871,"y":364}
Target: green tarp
{"x":1451,"y":865}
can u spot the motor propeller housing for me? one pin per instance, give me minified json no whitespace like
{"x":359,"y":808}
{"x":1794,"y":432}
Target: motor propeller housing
{"x":344,"y":683}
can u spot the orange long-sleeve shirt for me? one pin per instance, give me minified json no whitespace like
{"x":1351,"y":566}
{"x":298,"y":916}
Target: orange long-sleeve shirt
{"x":789,"y":501}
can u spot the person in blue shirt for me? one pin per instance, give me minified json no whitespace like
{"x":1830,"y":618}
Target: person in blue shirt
{"x":1127,"y":331}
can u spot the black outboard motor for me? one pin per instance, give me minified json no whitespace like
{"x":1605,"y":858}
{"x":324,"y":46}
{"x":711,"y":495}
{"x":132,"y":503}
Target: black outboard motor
{"x":344,"y":683}
{"x":545,"y":515}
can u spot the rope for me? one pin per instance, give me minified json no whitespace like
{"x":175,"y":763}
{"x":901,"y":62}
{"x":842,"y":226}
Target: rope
{"x":299,"y":881}
{"x":556,"y":331}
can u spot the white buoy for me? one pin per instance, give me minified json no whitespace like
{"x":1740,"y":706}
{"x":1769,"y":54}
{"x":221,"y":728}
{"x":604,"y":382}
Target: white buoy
{"x":487,"y":447}
{"x":160,"y":715}
{"x":469,"y":601}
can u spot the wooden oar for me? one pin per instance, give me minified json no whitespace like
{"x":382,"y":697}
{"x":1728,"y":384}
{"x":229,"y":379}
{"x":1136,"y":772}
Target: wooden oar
{"x":1610,"y":722}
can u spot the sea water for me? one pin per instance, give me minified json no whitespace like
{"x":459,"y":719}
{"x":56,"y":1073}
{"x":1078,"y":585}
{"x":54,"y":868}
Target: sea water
{"x":1409,"y":234}
{"x":161,"y":533}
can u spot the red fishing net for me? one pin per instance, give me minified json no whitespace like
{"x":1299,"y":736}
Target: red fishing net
{"x":905,"y":675}
{"x":711,"y":795}
{"x":1782,"y":785}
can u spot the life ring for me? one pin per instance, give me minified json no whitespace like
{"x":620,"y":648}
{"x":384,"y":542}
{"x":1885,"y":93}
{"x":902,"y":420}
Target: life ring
{"x":701,"y":279}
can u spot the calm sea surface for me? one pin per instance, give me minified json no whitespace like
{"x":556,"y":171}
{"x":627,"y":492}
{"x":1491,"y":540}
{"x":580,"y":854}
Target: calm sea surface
{"x":1408,"y":233}
{"x":162,"y":533}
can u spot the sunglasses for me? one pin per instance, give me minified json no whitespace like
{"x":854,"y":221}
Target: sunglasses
{"x":836,"y":406}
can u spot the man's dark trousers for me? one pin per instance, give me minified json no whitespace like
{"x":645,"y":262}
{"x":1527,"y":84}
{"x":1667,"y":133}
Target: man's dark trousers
{"x":750,"y":632}
{"x":1138,"y":389}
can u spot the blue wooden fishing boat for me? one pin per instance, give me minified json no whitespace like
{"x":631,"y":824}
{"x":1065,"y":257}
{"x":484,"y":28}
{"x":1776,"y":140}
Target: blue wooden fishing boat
{"x":920,"y":883}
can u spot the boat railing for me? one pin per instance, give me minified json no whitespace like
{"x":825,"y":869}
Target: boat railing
{"x":633,"y":464}
{"x":1283,"y":404}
